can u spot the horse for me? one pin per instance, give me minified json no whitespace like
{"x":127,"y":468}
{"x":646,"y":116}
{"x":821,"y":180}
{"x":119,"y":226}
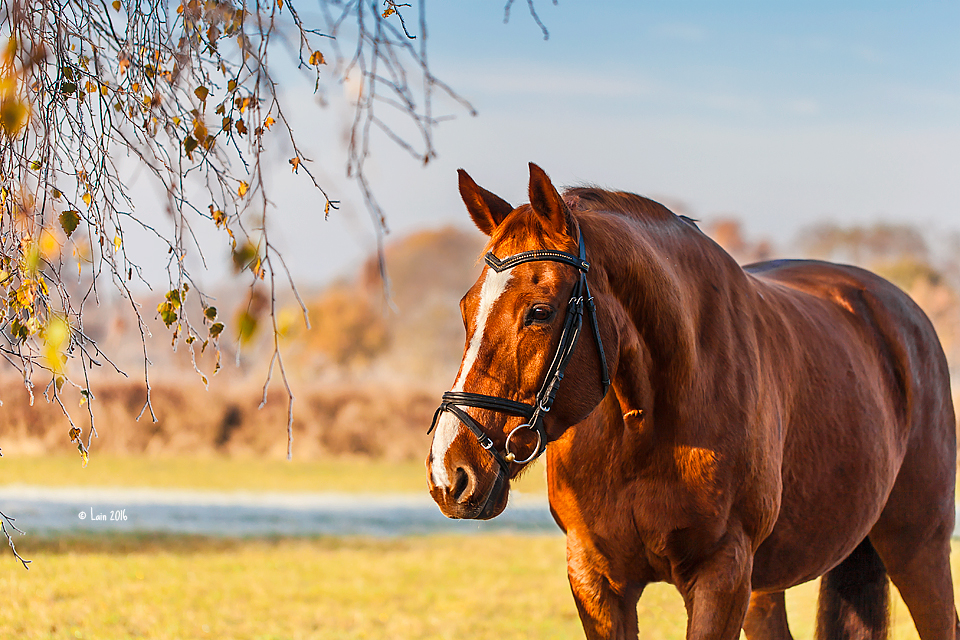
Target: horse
{"x":734,"y":431}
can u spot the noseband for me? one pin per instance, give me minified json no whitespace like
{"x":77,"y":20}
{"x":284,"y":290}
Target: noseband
{"x":533,"y":413}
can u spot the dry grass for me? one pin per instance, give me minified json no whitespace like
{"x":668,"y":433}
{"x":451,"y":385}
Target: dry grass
{"x":374,"y":421}
{"x":470,"y":588}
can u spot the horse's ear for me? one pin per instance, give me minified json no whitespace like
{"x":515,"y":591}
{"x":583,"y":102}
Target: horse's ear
{"x":487,"y":210}
{"x":546,"y":201}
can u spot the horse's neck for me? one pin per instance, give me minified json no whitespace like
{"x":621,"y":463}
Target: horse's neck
{"x":674,"y":286}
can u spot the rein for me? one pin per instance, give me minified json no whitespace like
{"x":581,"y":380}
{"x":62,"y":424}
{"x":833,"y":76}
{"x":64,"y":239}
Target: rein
{"x":452,"y":401}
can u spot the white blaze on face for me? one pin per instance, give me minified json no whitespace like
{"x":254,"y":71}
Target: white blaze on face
{"x":448,"y":426}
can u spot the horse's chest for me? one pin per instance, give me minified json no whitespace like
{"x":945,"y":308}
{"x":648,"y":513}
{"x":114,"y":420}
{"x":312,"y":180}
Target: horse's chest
{"x":644,"y":525}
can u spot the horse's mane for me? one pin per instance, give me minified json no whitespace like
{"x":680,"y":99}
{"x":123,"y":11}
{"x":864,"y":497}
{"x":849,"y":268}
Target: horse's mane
{"x":584,"y":199}
{"x":589,"y":199}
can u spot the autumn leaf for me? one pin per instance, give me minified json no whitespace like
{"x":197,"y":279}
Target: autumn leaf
{"x":201,"y":93}
{"x":189,"y":144}
{"x":210,"y":313}
{"x":216,"y":329}
{"x":13,"y":115}
{"x":69,"y":221}
{"x":242,"y":189}
{"x":295,"y":161}
{"x":316,"y":58}
{"x":56,"y":336}
{"x":173,"y":297}
{"x":168,"y":313}
{"x":219,"y":217}
{"x":199,"y":129}
{"x":268,"y":123}
{"x":244,"y":256}
{"x":87,"y":199}
{"x":246,"y":326}
{"x":116,"y":5}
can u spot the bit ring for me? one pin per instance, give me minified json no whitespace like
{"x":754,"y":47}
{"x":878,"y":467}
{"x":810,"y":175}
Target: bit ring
{"x":512,"y":457}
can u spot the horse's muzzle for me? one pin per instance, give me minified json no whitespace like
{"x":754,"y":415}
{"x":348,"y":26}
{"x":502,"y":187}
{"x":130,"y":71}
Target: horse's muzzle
{"x":466,"y":499}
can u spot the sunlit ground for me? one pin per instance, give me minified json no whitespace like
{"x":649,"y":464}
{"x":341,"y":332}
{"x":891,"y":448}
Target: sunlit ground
{"x":121,"y":587}
{"x":490,"y":587}
{"x":231,"y":474}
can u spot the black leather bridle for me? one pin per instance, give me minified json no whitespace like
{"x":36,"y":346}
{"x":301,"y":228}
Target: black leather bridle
{"x":533,"y":413}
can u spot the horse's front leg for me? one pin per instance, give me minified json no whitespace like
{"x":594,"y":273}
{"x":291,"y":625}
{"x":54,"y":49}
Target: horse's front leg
{"x":608,"y":609}
{"x":716,"y":591}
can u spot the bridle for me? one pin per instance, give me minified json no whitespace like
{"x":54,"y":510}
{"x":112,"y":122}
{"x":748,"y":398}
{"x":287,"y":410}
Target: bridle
{"x":452,"y":401}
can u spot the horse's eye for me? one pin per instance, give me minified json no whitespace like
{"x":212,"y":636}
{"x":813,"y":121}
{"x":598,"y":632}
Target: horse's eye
{"x":539,"y":313}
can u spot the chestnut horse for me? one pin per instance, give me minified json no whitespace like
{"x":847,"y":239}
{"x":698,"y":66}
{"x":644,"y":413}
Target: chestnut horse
{"x":763,"y":426}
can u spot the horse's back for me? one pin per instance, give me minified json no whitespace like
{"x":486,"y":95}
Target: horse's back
{"x":870,"y":420}
{"x":893,"y":328}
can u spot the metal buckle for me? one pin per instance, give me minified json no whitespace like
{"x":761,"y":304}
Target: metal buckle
{"x":512,"y":457}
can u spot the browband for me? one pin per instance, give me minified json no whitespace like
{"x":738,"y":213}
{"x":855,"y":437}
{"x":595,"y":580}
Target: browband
{"x":509,"y":262}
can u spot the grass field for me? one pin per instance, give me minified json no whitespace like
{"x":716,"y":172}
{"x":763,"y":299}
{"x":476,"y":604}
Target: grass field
{"x":230,"y":474}
{"x":469,"y":588}
{"x":122,"y":587}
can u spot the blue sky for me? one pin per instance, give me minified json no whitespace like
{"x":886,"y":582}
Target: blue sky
{"x":781,"y":113}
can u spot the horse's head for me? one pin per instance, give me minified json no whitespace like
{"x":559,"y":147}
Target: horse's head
{"x":522,"y":319}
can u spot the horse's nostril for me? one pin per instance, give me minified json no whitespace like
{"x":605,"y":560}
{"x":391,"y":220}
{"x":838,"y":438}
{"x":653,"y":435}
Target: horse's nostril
{"x":461,"y":484}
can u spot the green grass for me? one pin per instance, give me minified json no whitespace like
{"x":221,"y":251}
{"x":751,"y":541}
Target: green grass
{"x":469,"y":588}
{"x":230,"y":474}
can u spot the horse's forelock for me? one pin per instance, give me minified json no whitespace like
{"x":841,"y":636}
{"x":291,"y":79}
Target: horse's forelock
{"x":524,"y":230}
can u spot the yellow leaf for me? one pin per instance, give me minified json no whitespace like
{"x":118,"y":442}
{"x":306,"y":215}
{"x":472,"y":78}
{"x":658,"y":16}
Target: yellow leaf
{"x":74,"y":434}
{"x":87,"y":199}
{"x":268,"y":122}
{"x":117,"y":242}
{"x":242,"y":189}
{"x":295,"y":161}
{"x":316,"y":58}
{"x":116,"y":5}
